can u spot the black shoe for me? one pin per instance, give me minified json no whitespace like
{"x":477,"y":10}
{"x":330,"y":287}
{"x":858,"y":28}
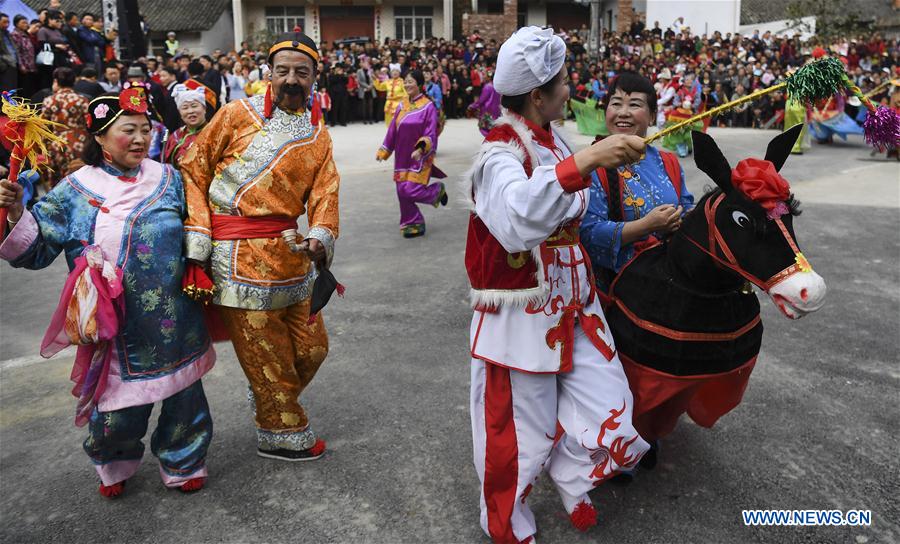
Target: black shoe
{"x":309,"y":454}
{"x":649,"y":460}
{"x":442,"y":198}
{"x":623,"y":478}
{"x":413,"y":231}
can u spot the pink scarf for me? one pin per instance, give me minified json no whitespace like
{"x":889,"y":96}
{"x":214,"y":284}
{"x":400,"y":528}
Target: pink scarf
{"x":88,"y":316}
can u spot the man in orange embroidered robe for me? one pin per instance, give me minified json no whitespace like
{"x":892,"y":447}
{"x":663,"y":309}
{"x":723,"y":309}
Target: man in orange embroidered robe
{"x":260,"y":164}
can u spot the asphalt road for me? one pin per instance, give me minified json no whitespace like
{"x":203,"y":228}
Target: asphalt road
{"x":817,"y":429}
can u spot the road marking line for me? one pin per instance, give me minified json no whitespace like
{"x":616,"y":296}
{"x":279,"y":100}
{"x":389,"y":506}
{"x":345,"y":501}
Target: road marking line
{"x":875,"y":164}
{"x":29,"y":360}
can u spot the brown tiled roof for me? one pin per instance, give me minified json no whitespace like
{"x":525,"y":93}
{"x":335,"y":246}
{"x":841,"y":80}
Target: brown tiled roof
{"x":161,"y":15}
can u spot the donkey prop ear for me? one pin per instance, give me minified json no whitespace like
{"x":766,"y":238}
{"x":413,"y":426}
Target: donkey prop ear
{"x":780,"y":147}
{"x":711,"y":161}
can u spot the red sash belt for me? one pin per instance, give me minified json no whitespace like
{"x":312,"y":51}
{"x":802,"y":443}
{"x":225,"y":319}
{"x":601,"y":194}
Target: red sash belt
{"x":238,"y":227}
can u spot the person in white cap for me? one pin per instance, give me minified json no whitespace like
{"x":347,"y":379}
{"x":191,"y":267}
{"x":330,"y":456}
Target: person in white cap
{"x":665,"y":97}
{"x":548,"y":391}
{"x":172,"y":44}
{"x":196,"y":106}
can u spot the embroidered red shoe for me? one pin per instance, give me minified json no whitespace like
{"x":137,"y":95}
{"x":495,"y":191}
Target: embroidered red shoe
{"x":112,"y":491}
{"x":584,"y":516}
{"x":194,"y":484}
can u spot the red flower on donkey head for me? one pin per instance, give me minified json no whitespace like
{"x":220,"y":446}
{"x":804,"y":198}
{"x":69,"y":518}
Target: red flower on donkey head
{"x":757,"y":179}
{"x":760,"y":182}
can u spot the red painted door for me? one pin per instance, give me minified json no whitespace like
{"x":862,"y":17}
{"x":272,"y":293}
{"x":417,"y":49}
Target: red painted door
{"x":337,"y":22}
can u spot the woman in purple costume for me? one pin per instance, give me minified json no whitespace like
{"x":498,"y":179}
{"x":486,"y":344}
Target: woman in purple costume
{"x":487,"y":108}
{"x":412,"y":138}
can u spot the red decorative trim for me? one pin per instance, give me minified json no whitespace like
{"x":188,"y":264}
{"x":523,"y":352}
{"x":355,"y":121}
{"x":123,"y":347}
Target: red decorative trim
{"x":688,"y":377}
{"x":501,"y":365}
{"x":569,"y":177}
{"x":541,"y":135}
{"x":686,"y":336}
{"x":268,"y":106}
{"x":660,"y":398}
{"x":501,"y":465}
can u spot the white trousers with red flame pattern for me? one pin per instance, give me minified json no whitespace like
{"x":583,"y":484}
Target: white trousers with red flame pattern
{"x":576,"y":425}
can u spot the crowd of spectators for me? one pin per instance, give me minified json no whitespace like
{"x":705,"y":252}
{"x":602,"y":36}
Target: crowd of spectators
{"x":718,"y":67}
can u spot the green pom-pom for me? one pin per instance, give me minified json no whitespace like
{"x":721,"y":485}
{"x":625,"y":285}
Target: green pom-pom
{"x":817,"y":80}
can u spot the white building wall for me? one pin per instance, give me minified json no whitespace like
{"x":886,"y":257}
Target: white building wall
{"x":437,"y":23}
{"x":703,"y":16}
{"x":387,"y":17}
{"x":605,"y":7}
{"x":254,"y":19}
{"x":221,"y":35}
{"x":388,"y":29}
{"x":536,"y":15}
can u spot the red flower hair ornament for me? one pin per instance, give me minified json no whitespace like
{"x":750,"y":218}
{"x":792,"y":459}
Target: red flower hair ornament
{"x":134,"y":100}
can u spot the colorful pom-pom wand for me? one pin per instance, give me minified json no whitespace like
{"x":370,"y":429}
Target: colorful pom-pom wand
{"x":26,"y":134}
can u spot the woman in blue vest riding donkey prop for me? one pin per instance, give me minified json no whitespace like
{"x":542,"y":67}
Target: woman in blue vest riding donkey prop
{"x":634,"y":205}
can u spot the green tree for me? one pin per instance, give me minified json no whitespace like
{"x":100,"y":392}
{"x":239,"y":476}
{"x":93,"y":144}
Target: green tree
{"x":833,"y":17}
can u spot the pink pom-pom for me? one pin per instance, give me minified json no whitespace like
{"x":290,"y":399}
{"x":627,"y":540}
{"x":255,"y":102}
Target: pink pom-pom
{"x":778,"y":210}
{"x":882,"y":128}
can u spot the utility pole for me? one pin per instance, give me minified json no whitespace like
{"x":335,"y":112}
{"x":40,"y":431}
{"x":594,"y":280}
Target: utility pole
{"x":110,"y":14}
{"x":594,"y":40}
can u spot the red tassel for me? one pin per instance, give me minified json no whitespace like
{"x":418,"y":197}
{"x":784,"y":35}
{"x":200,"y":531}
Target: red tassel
{"x":316,"y":113}
{"x":584,"y":516}
{"x":196,"y":283}
{"x":341,"y":290}
{"x":318,"y":448}
{"x":312,"y":319}
{"x":112,"y":491}
{"x":194,"y":484}
{"x":267,"y":112}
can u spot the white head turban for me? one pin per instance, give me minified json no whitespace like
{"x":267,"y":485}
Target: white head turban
{"x":530,"y":57}
{"x":182,"y":95}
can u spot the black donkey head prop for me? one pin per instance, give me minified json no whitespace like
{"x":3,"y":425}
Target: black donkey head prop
{"x":744,"y":230}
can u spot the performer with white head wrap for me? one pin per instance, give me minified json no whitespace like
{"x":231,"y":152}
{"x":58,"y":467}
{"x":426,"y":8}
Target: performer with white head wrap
{"x":548,"y":391}
{"x":196,"y":106}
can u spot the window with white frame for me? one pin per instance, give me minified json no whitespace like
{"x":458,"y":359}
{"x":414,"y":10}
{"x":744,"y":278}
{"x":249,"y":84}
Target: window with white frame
{"x":413,"y":22}
{"x":281,"y":19}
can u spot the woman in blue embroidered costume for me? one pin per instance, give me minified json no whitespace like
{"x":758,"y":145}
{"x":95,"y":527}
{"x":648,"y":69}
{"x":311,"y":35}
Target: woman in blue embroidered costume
{"x":633,"y":205}
{"x":140,"y":339}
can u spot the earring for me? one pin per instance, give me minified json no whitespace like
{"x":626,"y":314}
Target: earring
{"x":106,"y":156}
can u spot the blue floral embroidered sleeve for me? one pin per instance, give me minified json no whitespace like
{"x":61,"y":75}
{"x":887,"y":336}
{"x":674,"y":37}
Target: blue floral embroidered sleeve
{"x":47,"y":230}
